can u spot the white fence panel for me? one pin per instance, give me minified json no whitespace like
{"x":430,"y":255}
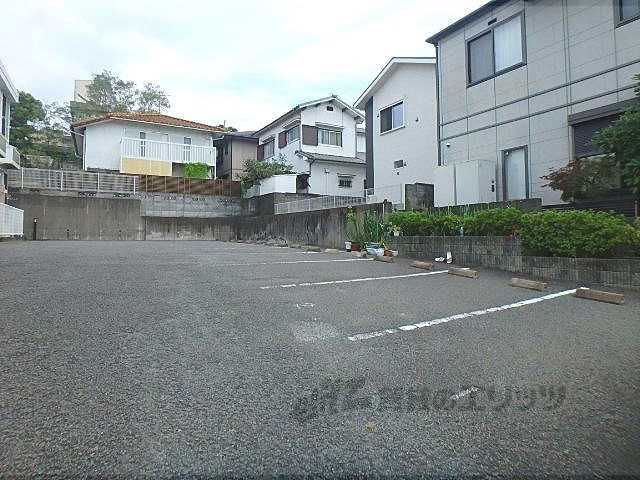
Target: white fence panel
{"x":75,"y":181}
{"x":11,"y":220}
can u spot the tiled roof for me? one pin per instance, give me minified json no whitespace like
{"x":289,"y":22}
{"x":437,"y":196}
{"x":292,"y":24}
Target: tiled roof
{"x":158,"y":118}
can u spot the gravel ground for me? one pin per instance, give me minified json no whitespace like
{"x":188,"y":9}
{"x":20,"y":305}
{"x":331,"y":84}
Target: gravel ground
{"x":208,"y":359}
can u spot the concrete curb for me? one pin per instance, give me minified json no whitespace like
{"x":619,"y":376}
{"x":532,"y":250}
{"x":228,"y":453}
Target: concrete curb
{"x":424,"y":265}
{"x":463,"y":272}
{"x":600,"y":296}
{"x":382,"y":258}
{"x":530,"y":284}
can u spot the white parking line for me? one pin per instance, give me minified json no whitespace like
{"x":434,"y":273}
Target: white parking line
{"x":352,"y":280}
{"x":476,"y":313}
{"x":296,"y":261}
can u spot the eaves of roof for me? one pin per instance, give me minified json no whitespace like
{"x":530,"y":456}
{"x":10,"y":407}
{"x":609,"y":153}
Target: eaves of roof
{"x":466,"y":20}
{"x":298,"y":108}
{"x":331,"y":158}
{"x":155,"y":118}
{"x":6,"y":85}
{"x":388,"y":69}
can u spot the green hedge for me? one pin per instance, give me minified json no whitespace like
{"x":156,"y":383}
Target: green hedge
{"x":571,"y":233}
{"x":578,"y":233}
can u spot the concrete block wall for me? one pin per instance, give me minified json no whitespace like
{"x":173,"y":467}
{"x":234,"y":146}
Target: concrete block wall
{"x":194,"y":206}
{"x":505,"y":253}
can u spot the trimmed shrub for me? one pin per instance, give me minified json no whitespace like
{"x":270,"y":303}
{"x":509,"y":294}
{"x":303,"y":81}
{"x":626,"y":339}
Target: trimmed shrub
{"x":494,"y":222}
{"x":579,"y":233}
{"x":410,"y":222}
{"x":196,"y":170}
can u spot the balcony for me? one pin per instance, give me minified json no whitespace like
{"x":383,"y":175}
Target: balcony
{"x":12,"y":158}
{"x":151,"y":157}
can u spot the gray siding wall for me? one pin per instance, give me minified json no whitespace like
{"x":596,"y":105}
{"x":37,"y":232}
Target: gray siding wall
{"x":577,"y":60}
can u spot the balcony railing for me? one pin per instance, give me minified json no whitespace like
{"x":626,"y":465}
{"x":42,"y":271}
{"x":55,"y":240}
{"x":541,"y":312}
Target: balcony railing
{"x":167,"y":151}
{"x":12,"y":159}
{"x":76,"y":181}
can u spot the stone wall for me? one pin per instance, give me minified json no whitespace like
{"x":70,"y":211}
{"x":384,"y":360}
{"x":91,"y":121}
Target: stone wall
{"x":505,"y":253}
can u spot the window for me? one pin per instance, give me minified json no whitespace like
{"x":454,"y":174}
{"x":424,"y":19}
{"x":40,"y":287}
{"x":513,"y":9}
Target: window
{"x":515,"y":174}
{"x":329,"y":137}
{"x":392,"y":117}
{"x":265,"y":150}
{"x":5,"y":106}
{"x":496,"y":50}
{"x":627,"y":10}
{"x":187,"y":149}
{"x":268,"y":149}
{"x":399,"y":164}
{"x":293,"y":134}
{"x":345,"y":181}
{"x":143,"y":144}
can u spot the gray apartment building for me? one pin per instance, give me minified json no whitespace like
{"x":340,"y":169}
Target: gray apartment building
{"x":522,"y":87}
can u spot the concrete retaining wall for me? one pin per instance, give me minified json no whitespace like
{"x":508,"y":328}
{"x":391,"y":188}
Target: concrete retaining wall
{"x":80,"y":218}
{"x":505,"y":253}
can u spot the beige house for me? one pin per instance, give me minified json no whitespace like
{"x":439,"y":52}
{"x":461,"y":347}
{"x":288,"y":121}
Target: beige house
{"x":233,"y":150}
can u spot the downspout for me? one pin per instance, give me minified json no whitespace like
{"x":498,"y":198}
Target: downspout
{"x":438,"y":107}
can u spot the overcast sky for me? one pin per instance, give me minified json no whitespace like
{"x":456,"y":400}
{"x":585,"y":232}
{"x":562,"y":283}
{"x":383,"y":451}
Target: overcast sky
{"x":241,"y":62}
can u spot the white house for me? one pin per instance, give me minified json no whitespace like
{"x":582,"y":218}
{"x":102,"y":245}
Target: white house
{"x":400,"y":108}
{"x":9,"y":156}
{"x":10,"y":217}
{"x":143,"y":143}
{"x":321,"y":139}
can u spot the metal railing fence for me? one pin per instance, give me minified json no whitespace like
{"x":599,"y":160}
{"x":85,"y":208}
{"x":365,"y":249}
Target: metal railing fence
{"x":393,"y":194}
{"x":64,"y":180}
{"x":11,"y":220}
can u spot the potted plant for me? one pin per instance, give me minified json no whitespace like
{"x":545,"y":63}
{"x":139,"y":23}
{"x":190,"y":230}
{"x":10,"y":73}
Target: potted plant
{"x":354,"y":232}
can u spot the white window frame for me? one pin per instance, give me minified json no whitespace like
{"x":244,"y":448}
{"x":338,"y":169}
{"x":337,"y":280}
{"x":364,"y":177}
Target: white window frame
{"x":333,"y":137}
{"x":490,"y":34}
{"x":293,"y":134}
{"x":269,"y":148}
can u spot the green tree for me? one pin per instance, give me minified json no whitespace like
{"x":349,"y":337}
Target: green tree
{"x":256,"y":170}
{"x":41,"y":129}
{"x":111,"y":94}
{"x":152,"y":99}
{"x":108,"y":93}
{"x":621,"y":142}
{"x":26,"y":117}
{"x":582,"y":177}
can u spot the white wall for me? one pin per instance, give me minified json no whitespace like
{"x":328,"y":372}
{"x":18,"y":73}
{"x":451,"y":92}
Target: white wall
{"x":322,"y":183}
{"x":316,"y":116}
{"x":416,"y":142}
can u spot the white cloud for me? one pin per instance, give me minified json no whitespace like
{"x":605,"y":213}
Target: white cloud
{"x":245,"y":62}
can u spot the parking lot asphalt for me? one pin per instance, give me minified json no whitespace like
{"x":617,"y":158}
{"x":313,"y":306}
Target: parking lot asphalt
{"x":205,"y":359}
